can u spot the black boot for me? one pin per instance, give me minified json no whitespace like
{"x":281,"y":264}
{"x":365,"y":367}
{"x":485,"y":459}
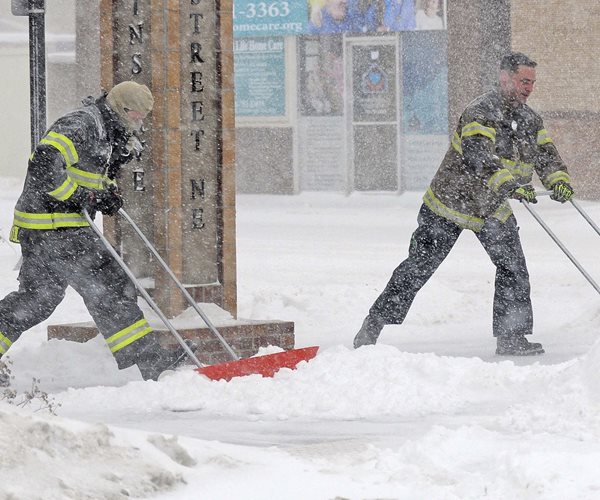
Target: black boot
{"x":369,"y":331}
{"x":151,"y":358}
{"x":155,"y":359}
{"x":517,"y":345}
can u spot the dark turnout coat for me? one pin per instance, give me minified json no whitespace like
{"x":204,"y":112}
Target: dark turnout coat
{"x":494,"y":150}
{"x":80,"y":153}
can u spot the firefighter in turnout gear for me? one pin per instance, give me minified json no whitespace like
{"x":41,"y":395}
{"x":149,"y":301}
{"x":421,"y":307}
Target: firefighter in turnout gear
{"x":497,"y":145}
{"x":74,"y":167}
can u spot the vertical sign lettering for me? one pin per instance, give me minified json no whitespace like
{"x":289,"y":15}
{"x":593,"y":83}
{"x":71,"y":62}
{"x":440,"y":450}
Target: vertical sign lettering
{"x":196,"y":88}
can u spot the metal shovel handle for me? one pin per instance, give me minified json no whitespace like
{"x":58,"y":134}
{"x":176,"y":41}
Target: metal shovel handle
{"x":585,"y":216}
{"x":186,"y":294}
{"x":579,"y":208}
{"x":562,"y":246}
{"x":143,"y":291}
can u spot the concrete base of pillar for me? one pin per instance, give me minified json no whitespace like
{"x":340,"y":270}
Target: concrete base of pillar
{"x":245,"y":337}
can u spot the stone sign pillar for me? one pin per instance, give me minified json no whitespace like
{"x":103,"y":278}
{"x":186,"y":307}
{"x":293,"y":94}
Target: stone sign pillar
{"x":182,"y":192}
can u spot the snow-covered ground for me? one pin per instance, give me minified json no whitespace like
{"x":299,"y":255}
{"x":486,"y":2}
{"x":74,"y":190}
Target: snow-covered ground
{"x":429,"y":412}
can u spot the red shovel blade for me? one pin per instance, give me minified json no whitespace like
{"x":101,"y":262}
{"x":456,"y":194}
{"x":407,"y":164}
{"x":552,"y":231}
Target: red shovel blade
{"x":266,"y":365}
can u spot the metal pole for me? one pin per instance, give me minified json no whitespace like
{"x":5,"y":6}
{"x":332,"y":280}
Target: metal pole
{"x":585,"y":216}
{"x":143,"y":291}
{"x":186,"y":294}
{"x":583,"y":213}
{"x":37,"y":70}
{"x":562,"y":247}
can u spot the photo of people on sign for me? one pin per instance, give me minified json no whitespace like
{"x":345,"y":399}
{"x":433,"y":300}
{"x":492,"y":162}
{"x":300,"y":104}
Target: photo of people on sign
{"x":374,"y":16}
{"x":430,"y":15}
{"x":297,"y":17}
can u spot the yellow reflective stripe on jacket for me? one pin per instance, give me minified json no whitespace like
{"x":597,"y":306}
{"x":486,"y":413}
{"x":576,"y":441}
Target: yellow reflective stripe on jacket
{"x":555,"y":177}
{"x":500,"y":177}
{"x":543,"y":137}
{"x":5,"y":343}
{"x":48,"y":221}
{"x":64,"y":145}
{"x":518,"y":169}
{"x":65,"y":190}
{"x":77,"y":177}
{"x":87,"y":179}
{"x":128,"y":335}
{"x":475,"y":128}
{"x":462,"y":220}
{"x":456,"y":143}
{"x":503,"y":212}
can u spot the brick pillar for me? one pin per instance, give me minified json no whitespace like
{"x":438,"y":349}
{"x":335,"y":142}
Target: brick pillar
{"x":182,"y":194}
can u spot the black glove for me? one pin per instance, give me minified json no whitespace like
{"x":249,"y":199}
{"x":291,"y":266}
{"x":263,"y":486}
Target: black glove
{"x":524,"y":193}
{"x":561,"y":191}
{"x":107,"y":201}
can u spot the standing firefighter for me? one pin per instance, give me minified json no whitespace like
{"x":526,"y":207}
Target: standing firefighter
{"x":74,"y":167}
{"x":498,"y":143}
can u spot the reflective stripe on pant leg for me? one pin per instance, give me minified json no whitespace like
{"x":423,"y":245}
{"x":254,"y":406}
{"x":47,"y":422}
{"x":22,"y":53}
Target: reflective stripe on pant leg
{"x":128,"y":335}
{"x":5,"y":343}
{"x":107,"y":291}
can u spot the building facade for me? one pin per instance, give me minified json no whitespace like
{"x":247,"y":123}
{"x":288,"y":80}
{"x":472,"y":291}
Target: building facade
{"x":362,"y":104}
{"x":355,"y":103}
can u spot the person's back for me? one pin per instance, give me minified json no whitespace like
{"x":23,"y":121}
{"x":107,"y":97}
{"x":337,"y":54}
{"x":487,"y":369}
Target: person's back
{"x":81,"y":137}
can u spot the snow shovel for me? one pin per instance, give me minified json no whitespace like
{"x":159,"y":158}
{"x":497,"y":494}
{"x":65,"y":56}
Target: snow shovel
{"x":560,"y":243}
{"x":266,"y":365}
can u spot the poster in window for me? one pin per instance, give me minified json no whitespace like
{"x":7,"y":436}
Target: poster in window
{"x":259,"y":76}
{"x":374,"y":83}
{"x":321,"y":76}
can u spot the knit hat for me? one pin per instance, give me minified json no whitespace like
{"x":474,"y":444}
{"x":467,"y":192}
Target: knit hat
{"x":130,"y":96}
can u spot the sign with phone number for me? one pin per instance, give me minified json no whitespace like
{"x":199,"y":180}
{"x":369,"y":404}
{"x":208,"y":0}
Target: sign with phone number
{"x":281,"y":17}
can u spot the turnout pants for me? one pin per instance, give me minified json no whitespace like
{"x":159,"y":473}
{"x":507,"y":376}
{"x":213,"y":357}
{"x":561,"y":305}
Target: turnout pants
{"x":54,"y":259}
{"x":429,"y":246}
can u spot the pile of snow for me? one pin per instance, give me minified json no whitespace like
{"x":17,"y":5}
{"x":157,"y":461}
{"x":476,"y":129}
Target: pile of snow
{"x":429,"y":412}
{"x":51,"y":458}
{"x":371,"y":423}
{"x":339,"y":384}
